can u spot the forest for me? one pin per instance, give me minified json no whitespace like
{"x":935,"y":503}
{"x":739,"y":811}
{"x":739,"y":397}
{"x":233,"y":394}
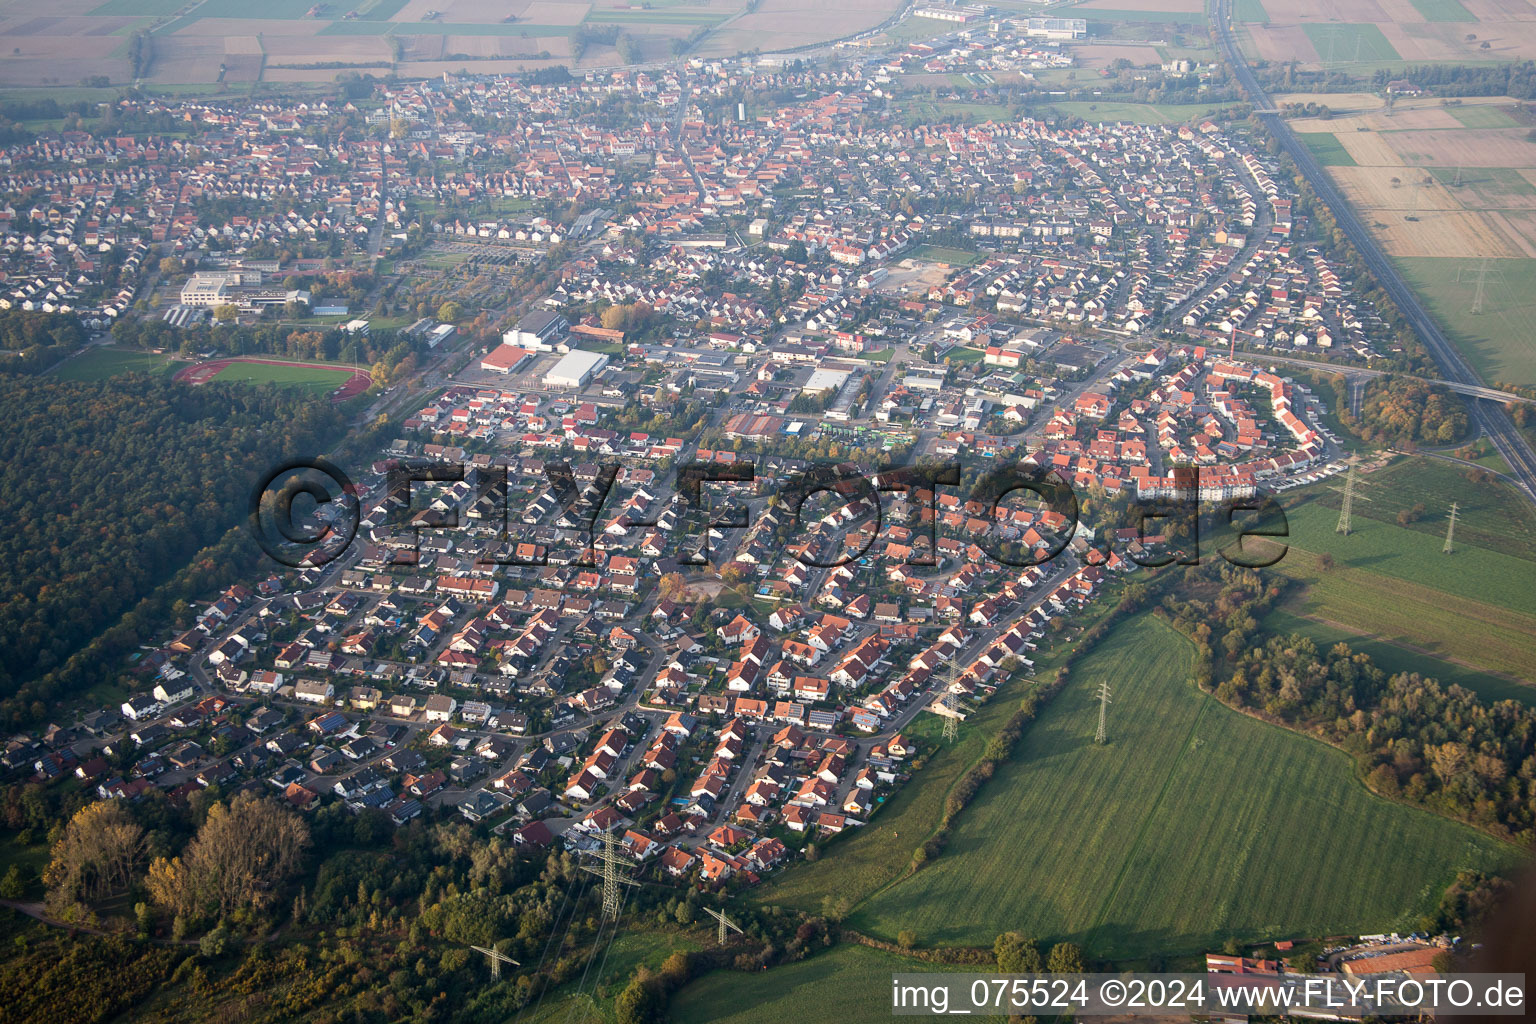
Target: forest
{"x":108,"y":488}
{"x":1405,"y":413}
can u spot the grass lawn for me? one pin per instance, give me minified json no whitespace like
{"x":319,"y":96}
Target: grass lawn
{"x":319,"y":379}
{"x":105,"y":361}
{"x":1345,"y":43}
{"x":1498,"y":342}
{"x":1330,"y":152}
{"x":944,"y":254}
{"x":1193,"y":824}
{"x":1136,"y":113}
{"x":882,"y":356}
{"x":847,"y":983}
{"x":1443,"y":10}
{"x":1395,"y":658}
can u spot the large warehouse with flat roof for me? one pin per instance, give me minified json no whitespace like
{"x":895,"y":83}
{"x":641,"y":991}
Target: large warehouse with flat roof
{"x":575,"y":369}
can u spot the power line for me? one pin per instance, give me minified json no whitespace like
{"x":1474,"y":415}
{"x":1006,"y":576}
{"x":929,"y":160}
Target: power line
{"x":1450,"y":529}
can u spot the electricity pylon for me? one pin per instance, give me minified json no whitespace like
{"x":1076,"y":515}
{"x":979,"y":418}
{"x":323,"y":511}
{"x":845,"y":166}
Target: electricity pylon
{"x":725,"y":923}
{"x":497,"y":958}
{"x":612,"y":860}
{"x":1477,"y":296}
{"x":1350,"y":497}
{"x":1102,"y":736}
{"x":951,"y":723}
{"x":1450,"y":529}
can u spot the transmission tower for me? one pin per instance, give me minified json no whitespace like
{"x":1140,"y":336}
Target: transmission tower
{"x":612,"y":860}
{"x":724,"y":923}
{"x":951,"y":721}
{"x":1450,"y":529}
{"x":1350,"y":497}
{"x":1477,"y":297}
{"x":1102,"y":736}
{"x":1456,"y":181}
{"x":497,"y":958}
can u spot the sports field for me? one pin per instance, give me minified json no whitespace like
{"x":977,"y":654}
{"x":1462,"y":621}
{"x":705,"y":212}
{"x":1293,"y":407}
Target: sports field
{"x":340,"y":382}
{"x":108,"y":361}
{"x":944,"y":254}
{"x":315,"y":378}
{"x":1193,"y":824}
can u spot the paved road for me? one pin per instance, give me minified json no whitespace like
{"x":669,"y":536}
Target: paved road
{"x":1490,"y":416}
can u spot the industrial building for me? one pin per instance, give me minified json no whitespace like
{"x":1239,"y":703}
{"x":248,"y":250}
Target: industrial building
{"x":575,"y":369}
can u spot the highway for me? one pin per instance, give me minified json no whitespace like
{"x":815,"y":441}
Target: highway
{"x":1488,"y":415}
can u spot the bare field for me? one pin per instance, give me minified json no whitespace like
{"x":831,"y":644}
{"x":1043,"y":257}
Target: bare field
{"x":1470,"y":148}
{"x":1282,"y":43}
{"x":1372,"y":188}
{"x":1093,"y":56}
{"x":1370,"y":149}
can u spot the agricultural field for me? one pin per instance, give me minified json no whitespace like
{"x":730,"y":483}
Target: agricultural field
{"x":1492,"y":515}
{"x":1396,"y":658}
{"x":1335,"y":43}
{"x":1445,"y":187}
{"x":1355,"y":594}
{"x":101,"y":362}
{"x":1328,"y":150}
{"x":1498,"y":342}
{"x":1475,"y":574}
{"x":1136,"y":113}
{"x":1167,"y":839}
{"x":295,"y":41}
{"x":1360,"y":36}
{"x":848,"y":984}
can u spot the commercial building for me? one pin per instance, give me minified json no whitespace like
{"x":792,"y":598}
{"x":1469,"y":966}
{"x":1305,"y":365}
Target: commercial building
{"x":538,"y":331}
{"x":575,"y":368}
{"x":505,"y":359}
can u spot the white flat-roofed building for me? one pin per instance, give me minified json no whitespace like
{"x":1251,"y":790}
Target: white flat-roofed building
{"x":203,"y":291}
{"x":575,"y":369}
